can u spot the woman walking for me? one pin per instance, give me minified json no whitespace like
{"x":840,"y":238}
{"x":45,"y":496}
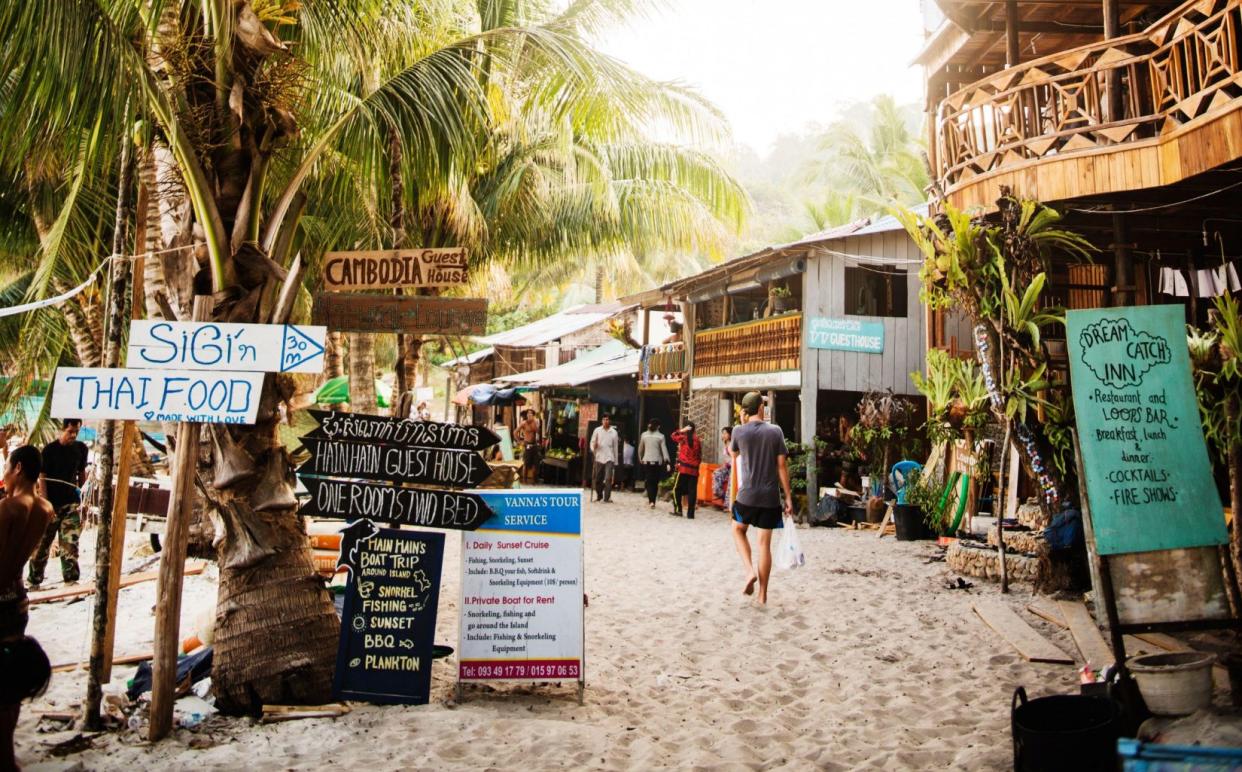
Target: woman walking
{"x":653,"y":456}
{"x":720,"y":478}
{"x":689,"y":456}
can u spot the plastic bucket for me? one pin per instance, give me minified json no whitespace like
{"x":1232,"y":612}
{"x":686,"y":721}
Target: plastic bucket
{"x":1063,"y":732}
{"x":908,"y":520}
{"x":1174,"y":683}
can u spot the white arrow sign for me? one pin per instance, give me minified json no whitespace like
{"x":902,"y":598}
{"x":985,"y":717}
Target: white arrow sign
{"x":260,"y":348}
{"x":192,"y":396}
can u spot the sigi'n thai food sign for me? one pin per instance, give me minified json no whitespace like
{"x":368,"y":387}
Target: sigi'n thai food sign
{"x":1148,"y":476}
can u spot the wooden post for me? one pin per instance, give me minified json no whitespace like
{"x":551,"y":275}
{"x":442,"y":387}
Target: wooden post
{"x":1112,"y":78}
{"x":1123,"y":264}
{"x":118,"y":286}
{"x":172,"y":563}
{"x":1013,"y":51}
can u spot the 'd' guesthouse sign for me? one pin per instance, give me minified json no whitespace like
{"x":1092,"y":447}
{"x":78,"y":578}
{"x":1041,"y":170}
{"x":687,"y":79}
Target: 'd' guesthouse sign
{"x":858,"y":335}
{"x":1148,"y":475}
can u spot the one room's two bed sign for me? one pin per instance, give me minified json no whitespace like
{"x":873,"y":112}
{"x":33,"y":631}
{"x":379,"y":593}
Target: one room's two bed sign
{"x":361,"y":466}
{"x":389,"y":621}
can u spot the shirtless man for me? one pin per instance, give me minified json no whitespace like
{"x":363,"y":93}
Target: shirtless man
{"x":24,"y":517}
{"x":530,"y":434}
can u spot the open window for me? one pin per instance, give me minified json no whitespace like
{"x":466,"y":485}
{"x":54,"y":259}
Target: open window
{"x":872,"y":290}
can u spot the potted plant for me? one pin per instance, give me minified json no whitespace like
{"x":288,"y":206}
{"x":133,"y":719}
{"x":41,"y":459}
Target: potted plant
{"x":781,"y":298}
{"x":923,"y":496}
{"x":908,"y":517}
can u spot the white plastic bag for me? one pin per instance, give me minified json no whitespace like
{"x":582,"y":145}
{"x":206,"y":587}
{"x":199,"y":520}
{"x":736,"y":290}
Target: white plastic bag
{"x":789,"y":552}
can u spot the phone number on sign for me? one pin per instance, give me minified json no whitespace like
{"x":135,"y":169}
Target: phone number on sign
{"x":517,"y":670}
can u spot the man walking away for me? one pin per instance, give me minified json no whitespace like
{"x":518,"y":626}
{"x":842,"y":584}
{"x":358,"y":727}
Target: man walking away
{"x":24,"y":517}
{"x":653,"y":455}
{"x":606,"y":448}
{"x":689,"y":457}
{"x":64,"y":471}
{"x":763,"y":475}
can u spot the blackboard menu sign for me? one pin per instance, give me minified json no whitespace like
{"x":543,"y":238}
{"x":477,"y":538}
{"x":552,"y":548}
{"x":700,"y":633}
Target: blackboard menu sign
{"x":389,"y":622}
{"x":1148,"y":475}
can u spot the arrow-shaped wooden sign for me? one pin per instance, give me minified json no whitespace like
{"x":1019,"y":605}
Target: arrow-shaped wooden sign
{"x":350,"y":500}
{"x":394,"y":463}
{"x":399,"y":431}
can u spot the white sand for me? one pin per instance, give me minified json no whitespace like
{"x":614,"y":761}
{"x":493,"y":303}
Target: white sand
{"x":863,"y":660}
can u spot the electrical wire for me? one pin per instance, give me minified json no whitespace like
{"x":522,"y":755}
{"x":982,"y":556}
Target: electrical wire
{"x":1157,"y":207}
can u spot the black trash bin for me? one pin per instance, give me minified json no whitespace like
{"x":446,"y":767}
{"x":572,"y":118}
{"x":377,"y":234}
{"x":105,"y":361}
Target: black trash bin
{"x":1064,"y":732}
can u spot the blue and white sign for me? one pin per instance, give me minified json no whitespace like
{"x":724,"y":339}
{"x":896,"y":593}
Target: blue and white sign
{"x":522,"y":592}
{"x":259,"y":348}
{"x":156,"y":395}
{"x":858,"y":335}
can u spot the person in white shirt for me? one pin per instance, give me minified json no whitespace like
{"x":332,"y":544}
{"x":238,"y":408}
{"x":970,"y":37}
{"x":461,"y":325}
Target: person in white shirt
{"x":606,"y":448}
{"x":653,"y":455}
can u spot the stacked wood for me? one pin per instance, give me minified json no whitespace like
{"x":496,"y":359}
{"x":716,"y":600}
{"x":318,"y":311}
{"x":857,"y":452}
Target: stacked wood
{"x":1031,"y":542}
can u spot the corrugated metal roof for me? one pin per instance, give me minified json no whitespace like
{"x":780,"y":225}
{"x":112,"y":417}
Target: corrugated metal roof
{"x":470,"y":359}
{"x":553,"y":327}
{"x":608,"y":361}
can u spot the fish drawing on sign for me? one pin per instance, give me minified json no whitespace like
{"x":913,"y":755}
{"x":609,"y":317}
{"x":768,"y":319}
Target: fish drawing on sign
{"x":352,"y":536}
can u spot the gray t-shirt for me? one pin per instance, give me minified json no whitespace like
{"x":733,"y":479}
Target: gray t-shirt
{"x":759,"y":443}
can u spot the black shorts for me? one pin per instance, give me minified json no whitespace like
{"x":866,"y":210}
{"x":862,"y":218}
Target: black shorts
{"x":759,"y":517}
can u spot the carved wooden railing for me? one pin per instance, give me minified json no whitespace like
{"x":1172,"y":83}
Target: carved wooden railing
{"x":761,"y":346}
{"x":662,"y":363}
{"x":1129,"y":89}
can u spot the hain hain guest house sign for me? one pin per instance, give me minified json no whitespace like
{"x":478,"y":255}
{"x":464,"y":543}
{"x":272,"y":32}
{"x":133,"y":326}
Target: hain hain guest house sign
{"x":1148,"y":475}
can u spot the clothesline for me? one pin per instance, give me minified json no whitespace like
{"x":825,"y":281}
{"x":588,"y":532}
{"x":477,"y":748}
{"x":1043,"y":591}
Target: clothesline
{"x":62,"y":297}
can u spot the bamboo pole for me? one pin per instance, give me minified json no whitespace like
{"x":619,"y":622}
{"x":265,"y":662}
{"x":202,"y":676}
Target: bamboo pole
{"x":118,"y":284}
{"x":120,"y":502}
{"x":172,"y":563}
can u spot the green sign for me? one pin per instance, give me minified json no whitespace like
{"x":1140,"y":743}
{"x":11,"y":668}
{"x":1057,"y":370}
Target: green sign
{"x":1148,"y":476}
{"x":845,"y":335}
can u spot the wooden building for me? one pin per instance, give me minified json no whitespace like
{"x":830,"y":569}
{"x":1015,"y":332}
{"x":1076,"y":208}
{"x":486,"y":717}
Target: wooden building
{"x":815,"y":323}
{"x":1125,"y":116}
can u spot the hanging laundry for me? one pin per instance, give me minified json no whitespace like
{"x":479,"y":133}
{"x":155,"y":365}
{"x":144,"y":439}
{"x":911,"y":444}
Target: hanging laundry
{"x":1173,"y":282}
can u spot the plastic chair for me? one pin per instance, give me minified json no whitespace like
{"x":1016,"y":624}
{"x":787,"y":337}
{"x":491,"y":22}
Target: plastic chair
{"x":899,"y":475}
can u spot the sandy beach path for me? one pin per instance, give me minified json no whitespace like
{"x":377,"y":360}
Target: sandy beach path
{"x":862,"y":660}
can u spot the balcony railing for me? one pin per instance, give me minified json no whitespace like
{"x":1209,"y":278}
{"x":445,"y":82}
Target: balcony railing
{"x":1182,"y":70}
{"x":761,"y":346}
{"x":664,"y":363}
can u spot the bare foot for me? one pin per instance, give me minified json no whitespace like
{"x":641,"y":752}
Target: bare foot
{"x":762,"y":600}
{"x":749,"y":589}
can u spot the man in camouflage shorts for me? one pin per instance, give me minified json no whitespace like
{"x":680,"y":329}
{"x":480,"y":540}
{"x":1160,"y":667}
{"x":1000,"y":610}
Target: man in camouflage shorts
{"x":64,"y":472}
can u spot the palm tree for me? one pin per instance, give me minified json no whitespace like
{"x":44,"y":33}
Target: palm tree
{"x":271,"y":125}
{"x":870,"y":161}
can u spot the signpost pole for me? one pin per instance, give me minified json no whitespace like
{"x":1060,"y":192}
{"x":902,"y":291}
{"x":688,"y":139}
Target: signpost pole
{"x":172,"y":563}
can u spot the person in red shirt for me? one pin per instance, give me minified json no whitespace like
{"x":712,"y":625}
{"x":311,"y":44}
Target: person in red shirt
{"x":689,"y":456}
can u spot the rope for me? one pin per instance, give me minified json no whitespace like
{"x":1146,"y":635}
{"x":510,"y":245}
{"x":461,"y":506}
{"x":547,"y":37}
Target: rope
{"x":62,"y":297}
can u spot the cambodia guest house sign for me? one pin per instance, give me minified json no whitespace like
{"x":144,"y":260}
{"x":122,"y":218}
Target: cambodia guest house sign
{"x":395,"y":269}
{"x":1148,"y":476}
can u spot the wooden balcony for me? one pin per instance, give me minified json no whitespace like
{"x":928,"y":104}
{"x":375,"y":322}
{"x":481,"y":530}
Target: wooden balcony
{"x":761,"y":346}
{"x":1139,"y":111}
{"x":662,"y":364}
